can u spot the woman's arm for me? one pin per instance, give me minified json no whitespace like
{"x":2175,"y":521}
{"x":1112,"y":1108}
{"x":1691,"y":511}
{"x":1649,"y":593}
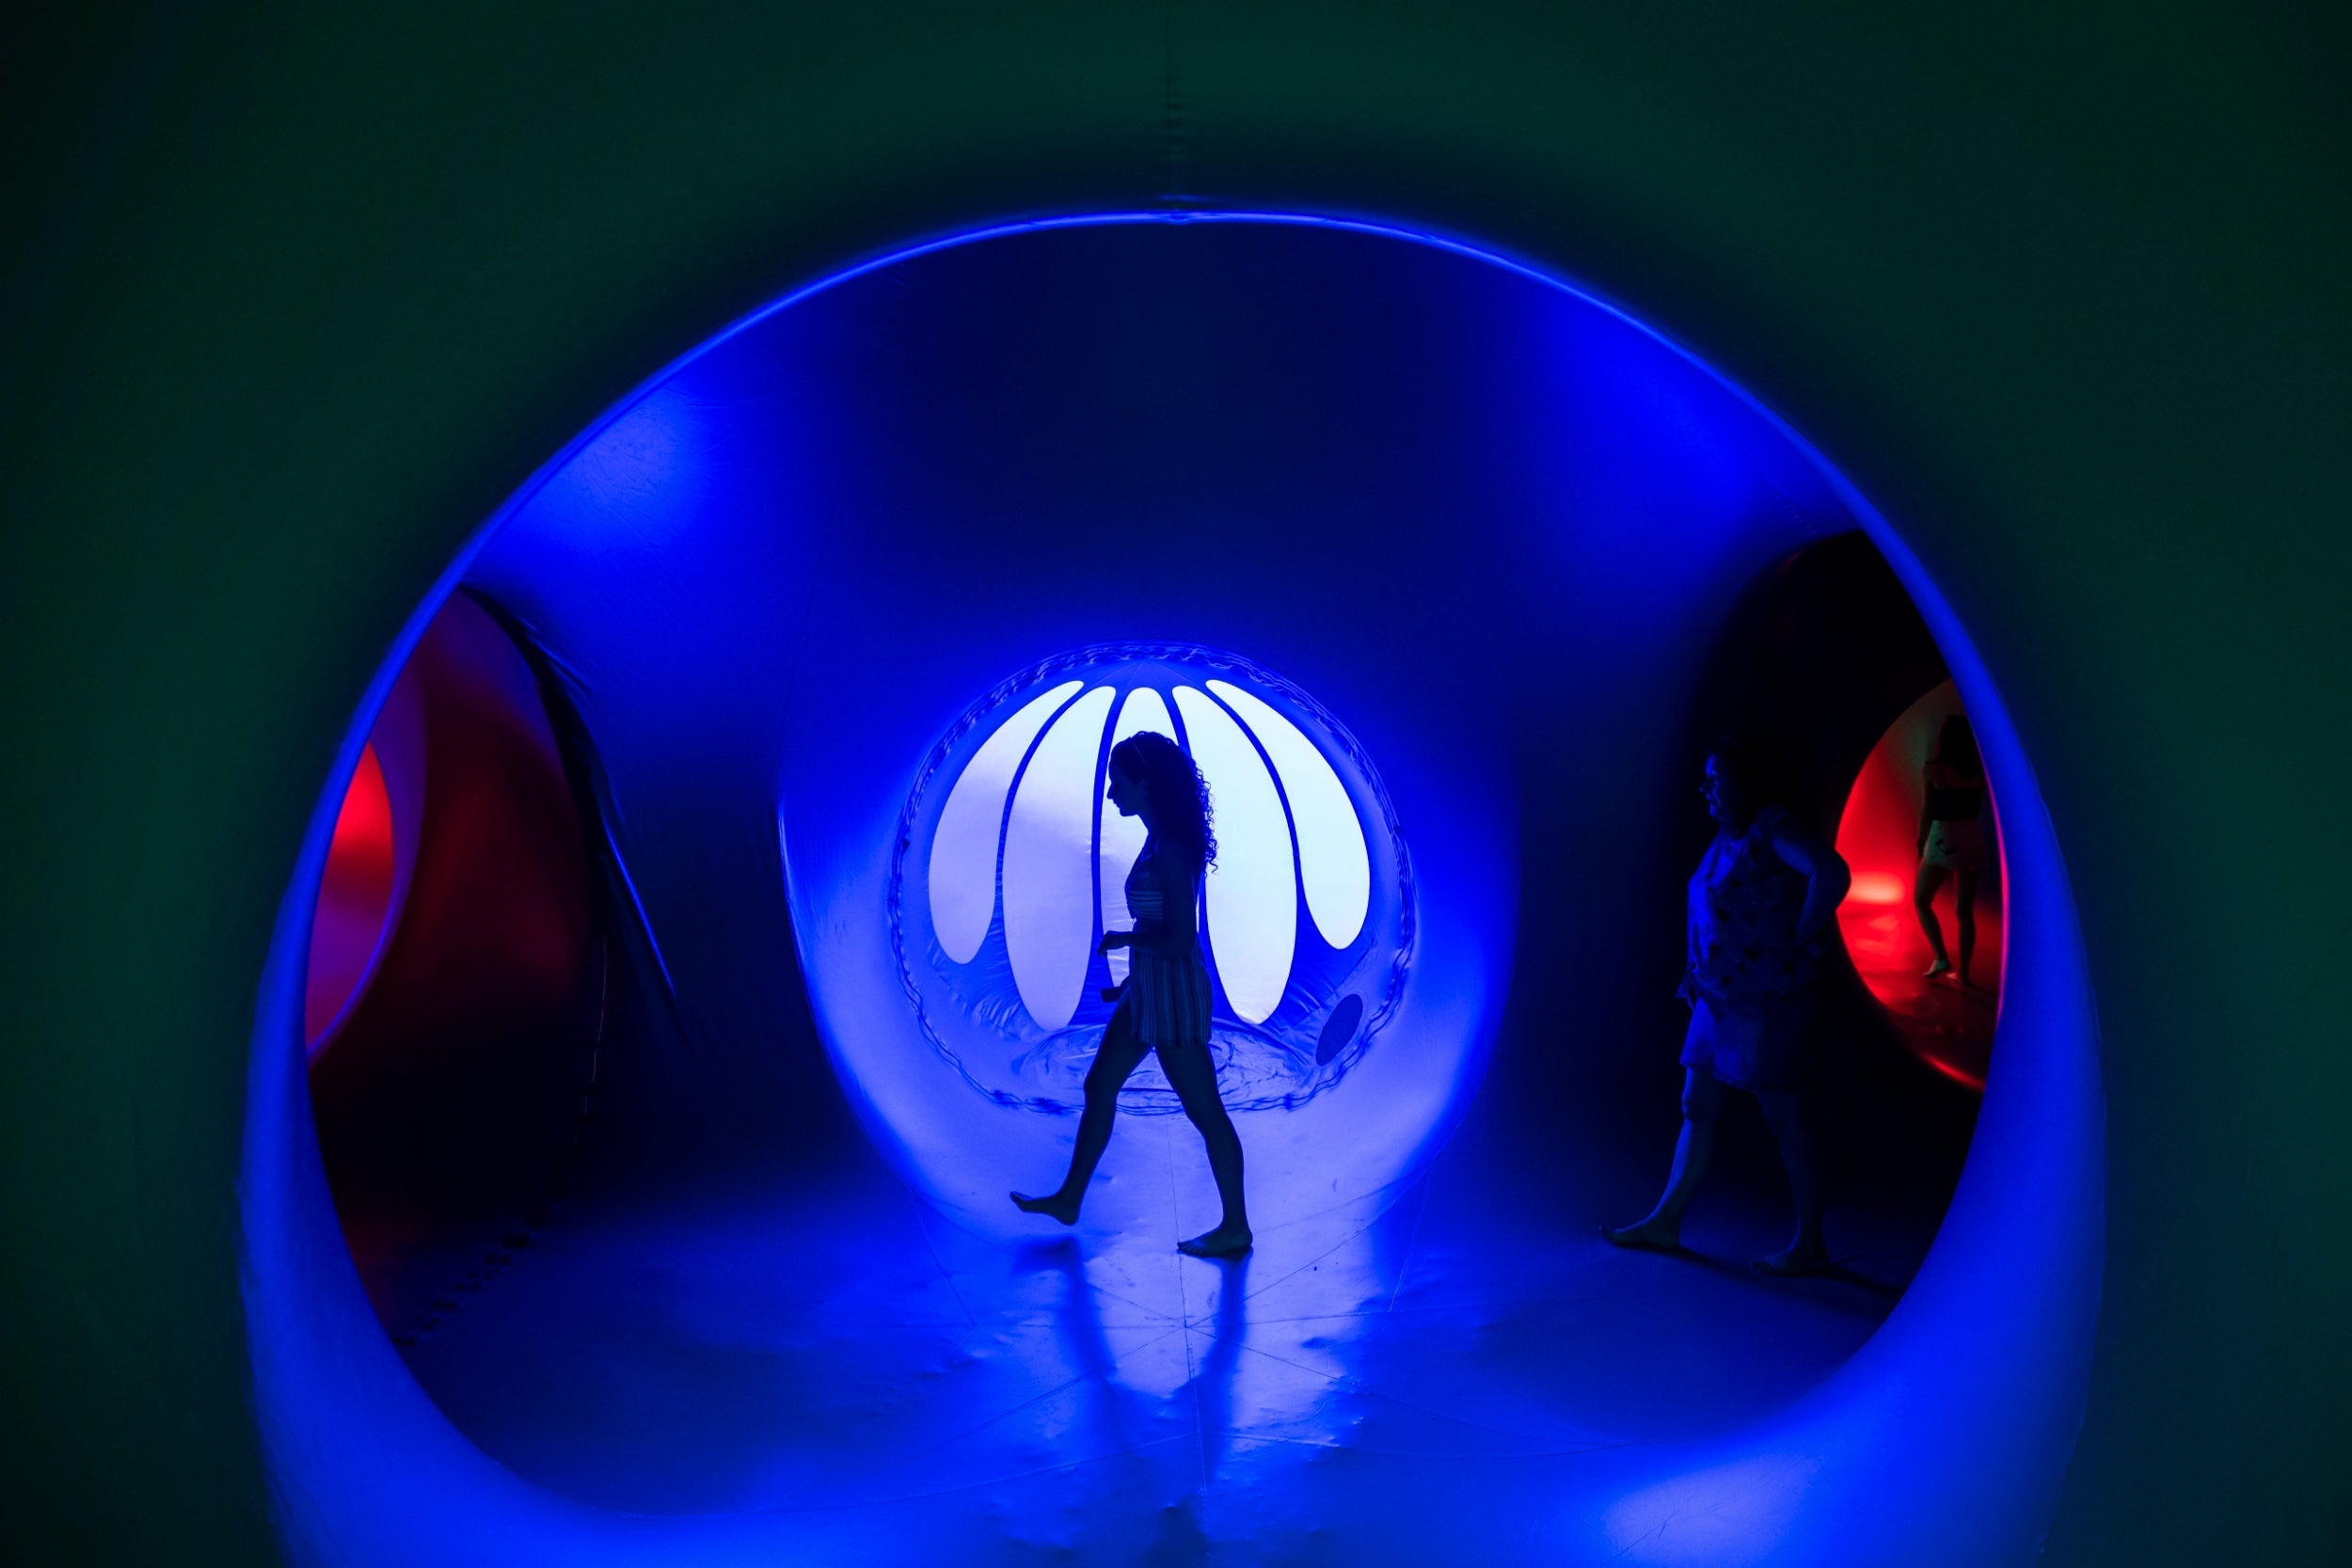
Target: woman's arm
{"x":1826,"y":875}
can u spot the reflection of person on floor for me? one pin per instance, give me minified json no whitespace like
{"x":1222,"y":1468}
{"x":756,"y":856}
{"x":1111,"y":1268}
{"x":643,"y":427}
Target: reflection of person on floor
{"x":1761,"y":904}
{"x":1164,"y":1005}
{"x":1951,"y":840}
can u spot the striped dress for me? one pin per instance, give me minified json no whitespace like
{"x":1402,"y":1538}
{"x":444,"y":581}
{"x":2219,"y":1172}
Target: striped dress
{"x":1167,"y":995}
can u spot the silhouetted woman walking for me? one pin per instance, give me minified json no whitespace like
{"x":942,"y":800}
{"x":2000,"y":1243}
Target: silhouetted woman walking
{"x":1760,"y":908}
{"x":1164,"y":1005}
{"x":1951,"y":840}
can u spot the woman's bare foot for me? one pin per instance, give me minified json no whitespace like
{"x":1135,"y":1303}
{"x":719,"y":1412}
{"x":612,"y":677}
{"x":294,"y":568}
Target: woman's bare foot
{"x":1794,"y":1262}
{"x":1937,"y":969}
{"x":1224,"y":1242}
{"x":1650,"y":1235}
{"x":1052,"y":1205}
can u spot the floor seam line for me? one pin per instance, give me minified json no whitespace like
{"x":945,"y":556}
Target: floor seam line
{"x":932,"y":1247}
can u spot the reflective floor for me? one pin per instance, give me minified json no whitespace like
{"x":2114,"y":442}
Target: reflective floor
{"x":840,"y":1348}
{"x":1947,"y":1025}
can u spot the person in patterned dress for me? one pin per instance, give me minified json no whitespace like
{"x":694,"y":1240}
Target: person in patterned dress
{"x":1761,"y":909}
{"x":1163,"y":1006}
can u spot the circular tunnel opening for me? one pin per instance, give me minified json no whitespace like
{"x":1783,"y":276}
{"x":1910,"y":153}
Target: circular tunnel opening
{"x":359,"y":898}
{"x":1010,"y":864}
{"x":653,"y":1135}
{"x":1888,"y":833}
{"x":448,"y":1100}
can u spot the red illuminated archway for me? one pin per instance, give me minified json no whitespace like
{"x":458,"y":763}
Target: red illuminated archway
{"x":1949,"y":1027}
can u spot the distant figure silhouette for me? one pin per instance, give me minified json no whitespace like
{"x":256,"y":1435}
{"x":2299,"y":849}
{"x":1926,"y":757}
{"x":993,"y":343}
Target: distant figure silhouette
{"x":1760,"y":907}
{"x":1164,"y":1005}
{"x":1951,"y":840}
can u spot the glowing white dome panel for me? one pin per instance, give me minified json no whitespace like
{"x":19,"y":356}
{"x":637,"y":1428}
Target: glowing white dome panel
{"x":1307,"y":916}
{"x":1334,"y":865}
{"x":1252,"y":890}
{"x":962,"y":874}
{"x":1049,"y":863}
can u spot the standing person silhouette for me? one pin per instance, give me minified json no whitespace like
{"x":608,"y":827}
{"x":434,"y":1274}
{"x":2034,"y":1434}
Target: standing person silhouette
{"x":1951,"y":840}
{"x":1760,"y":905}
{"x":1164,"y":1005}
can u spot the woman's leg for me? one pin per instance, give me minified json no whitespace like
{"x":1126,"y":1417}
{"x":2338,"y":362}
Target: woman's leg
{"x":1193,"y":1075}
{"x":1967,"y":921}
{"x":1923,"y":899}
{"x":1784,"y":1113}
{"x":1114,"y":1059}
{"x":1702,"y":1103}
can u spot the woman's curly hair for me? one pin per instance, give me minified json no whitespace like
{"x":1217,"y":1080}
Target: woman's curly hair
{"x":1181,"y":813}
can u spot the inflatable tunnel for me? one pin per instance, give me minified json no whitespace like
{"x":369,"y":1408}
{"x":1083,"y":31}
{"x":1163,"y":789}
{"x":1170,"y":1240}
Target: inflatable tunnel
{"x":575,"y":589}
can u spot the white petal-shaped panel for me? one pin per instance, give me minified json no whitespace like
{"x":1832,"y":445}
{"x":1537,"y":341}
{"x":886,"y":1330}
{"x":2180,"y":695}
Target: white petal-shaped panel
{"x":1049,"y":863}
{"x":1122,"y":836}
{"x":1334,"y":862}
{"x":1253,"y":892}
{"x":963,"y":873}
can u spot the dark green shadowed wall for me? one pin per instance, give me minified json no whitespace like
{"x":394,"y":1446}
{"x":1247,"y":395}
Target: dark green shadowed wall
{"x":294,"y":297}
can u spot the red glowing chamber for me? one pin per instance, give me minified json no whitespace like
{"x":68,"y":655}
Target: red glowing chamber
{"x":1950,"y":1026}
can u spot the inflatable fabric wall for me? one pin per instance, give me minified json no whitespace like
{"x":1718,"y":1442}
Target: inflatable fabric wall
{"x":2047,"y":306}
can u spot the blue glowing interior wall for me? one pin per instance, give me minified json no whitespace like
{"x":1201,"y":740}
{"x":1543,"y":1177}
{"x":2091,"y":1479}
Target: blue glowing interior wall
{"x":1493,"y":525}
{"x":1459,"y":505}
